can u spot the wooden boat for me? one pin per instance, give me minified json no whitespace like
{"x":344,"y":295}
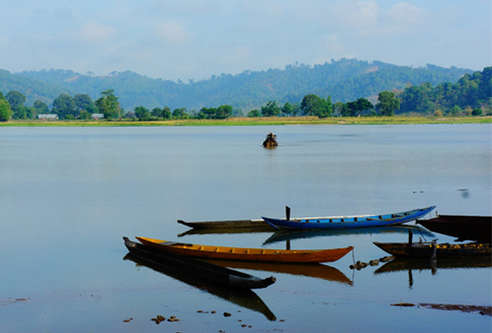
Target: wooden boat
{"x":429,"y":249}
{"x":342,"y":222}
{"x":228,"y":226}
{"x":200,"y":269}
{"x":464,"y":227}
{"x":288,"y":234}
{"x":247,"y":254}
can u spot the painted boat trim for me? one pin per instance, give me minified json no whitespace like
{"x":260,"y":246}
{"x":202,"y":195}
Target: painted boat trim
{"x":340,"y":222}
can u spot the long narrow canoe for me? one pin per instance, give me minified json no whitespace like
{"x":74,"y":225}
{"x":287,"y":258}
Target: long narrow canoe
{"x":228,"y":226}
{"x":246,"y":254}
{"x":464,"y":227}
{"x":199,"y":270}
{"x":426,"y":249}
{"x":341,"y":222}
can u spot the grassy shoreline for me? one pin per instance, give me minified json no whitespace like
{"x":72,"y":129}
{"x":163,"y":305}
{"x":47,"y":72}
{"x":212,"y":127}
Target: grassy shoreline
{"x":395,"y":120}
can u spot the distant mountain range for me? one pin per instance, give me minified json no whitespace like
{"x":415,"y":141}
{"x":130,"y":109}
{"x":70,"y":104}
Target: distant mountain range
{"x":344,"y":80}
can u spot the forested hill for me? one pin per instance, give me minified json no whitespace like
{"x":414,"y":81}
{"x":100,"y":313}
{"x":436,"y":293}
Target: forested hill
{"x":343,"y":80}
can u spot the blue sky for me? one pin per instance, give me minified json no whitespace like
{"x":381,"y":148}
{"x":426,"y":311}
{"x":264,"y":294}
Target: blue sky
{"x":191,"y":39}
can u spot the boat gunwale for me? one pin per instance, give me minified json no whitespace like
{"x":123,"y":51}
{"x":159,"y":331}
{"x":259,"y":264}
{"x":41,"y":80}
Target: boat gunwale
{"x":275,"y":255}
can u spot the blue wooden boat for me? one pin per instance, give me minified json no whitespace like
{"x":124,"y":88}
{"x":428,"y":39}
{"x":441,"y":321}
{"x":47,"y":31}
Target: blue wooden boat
{"x":342,"y":222}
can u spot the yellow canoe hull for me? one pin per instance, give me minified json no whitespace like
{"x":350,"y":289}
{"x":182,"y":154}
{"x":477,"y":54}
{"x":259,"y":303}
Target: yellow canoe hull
{"x":246,"y":254}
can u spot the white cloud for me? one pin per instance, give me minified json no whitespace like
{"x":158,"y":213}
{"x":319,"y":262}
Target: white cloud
{"x":96,"y":32}
{"x":359,"y":14}
{"x":172,"y":31}
{"x":406,"y":14}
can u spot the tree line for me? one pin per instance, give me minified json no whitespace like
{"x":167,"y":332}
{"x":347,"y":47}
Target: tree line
{"x":471,"y":95}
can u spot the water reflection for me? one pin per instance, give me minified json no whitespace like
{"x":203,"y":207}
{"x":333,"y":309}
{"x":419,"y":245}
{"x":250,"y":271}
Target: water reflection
{"x":320,"y":271}
{"x":401,"y":264}
{"x":287,"y":235}
{"x":244,"y":298}
{"x":409,"y":264}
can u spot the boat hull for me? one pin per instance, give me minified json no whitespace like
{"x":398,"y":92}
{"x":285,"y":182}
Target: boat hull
{"x":245,"y":254}
{"x":426,"y":250}
{"x":464,"y":227}
{"x":344,"y":222}
{"x":199,"y":270}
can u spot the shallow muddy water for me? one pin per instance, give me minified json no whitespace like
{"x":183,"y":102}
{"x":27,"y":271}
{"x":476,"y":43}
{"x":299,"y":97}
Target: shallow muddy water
{"x":68,"y":195}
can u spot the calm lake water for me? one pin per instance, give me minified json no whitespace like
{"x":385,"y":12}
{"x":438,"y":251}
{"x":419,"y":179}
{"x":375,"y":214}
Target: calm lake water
{"x":68,"y":195}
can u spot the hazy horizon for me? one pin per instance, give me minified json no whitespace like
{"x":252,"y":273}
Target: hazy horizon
{"x":198,"y":39}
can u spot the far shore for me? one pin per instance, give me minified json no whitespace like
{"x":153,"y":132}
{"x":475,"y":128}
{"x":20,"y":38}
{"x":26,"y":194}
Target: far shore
{"x":262,"y":121}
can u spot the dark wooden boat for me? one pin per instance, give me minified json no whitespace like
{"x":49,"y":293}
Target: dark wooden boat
{"x":246,"y":254}
{"x":345,"y":222}
{"x":227,"y":226}
{"x":318,"y":271}
{"x":429,"y":249}
{"x":199,"y":269}
{"x":464,"y":227}
{"x":243,"y":297}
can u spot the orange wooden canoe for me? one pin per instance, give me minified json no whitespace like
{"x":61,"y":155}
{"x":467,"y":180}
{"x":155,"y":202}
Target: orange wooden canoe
{"x":247,"y":254}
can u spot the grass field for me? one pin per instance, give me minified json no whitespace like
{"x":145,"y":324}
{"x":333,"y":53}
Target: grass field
{"x":395,"y":120}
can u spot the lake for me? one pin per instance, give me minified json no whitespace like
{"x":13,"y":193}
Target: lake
{"x":68,"y":195}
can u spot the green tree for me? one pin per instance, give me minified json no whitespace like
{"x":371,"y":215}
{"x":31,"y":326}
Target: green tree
{"x":223,"y":112}
{"x":108,"y":105}
{"x":84,"y":115}
{"x":180,"y":113}
{"x":254,"y":113}
{"x":156,"y":112}
{"x":455,"y":111}
{"x":271,"y":109}
{"x":356,"y":108}
{"x":64,"y":107}
{"x":142,"y":113}
{"x":338,"y":109}
{"x":40,"y":107}
{"x":5,"y":110}
{"x":288,"y":109}
{"x":477,"y":112}
{"x":166,"y":112}
{"x":387,"y":103}
{"x":16,"y":101}
{"x":206,"y":113}
{"x":84,"y":102}
{"x":313,"y":105}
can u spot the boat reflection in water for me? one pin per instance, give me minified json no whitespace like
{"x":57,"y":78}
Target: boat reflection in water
{"x":409,"y":264}
{"x":287,"y":235}
{"x":245,"y":298}
{"x":319,"y":271}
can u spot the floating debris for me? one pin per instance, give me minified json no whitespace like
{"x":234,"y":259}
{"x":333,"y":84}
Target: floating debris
{"x":173,"y":319}
{"x":403,"y":304}
{"x":227,"y":314}
{"x":128,"y":320}
{"x":158,"y":319}
{"x":11,"y":300}
{"x":358,"y":265}
{"x":374,"y":262}
{"x":386,"y":259}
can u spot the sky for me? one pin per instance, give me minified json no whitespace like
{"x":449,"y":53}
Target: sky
{"x":193,"y":40}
